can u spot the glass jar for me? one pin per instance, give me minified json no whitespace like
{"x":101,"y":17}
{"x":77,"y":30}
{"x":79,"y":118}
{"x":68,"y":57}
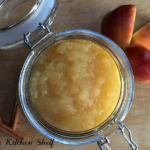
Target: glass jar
{"x":104,"y":129}
{"x":42,"y":38}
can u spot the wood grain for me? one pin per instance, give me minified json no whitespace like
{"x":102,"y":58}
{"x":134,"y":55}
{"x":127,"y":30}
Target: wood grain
{"x":86,"y":14}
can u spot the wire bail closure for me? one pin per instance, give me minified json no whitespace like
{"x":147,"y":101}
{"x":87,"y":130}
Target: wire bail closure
{"x":129,"y":140}
{"x":121,"y":128}
{"x":26,"y":37}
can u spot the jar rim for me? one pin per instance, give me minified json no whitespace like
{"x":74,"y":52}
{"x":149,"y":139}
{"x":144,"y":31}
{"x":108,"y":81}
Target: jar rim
{"x":96,"y":134}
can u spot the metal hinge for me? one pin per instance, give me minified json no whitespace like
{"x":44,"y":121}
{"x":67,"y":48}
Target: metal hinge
{"x":102,"y":143}
{"x":26,"y":37}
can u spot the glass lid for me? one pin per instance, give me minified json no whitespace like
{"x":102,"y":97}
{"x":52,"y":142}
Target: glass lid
{"x":14,"y":12}
{"x":21,"y":17}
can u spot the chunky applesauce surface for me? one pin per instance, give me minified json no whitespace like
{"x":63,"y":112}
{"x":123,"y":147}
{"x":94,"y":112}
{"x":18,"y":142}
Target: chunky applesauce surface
{"x":75,"y":85}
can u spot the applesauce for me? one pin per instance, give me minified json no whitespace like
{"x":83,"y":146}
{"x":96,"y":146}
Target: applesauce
{"x":75,"y":85}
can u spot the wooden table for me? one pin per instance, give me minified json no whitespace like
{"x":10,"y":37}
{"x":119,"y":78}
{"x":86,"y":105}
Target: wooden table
{"x":86,"y":14}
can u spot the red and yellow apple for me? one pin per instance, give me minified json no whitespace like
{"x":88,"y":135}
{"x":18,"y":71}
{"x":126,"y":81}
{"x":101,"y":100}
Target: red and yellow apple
{"x":139,"y":58}
{"x":118,"y":25}
{"x":142,"y":36}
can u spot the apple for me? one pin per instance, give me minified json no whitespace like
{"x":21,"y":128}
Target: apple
{"x":142,"y":36}
{"x":139,"y":58}
{"x":118,"y":25}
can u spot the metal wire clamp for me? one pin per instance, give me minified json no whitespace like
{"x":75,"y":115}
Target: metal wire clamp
{"x":26,"y":37}
{"x":121,"y":128}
